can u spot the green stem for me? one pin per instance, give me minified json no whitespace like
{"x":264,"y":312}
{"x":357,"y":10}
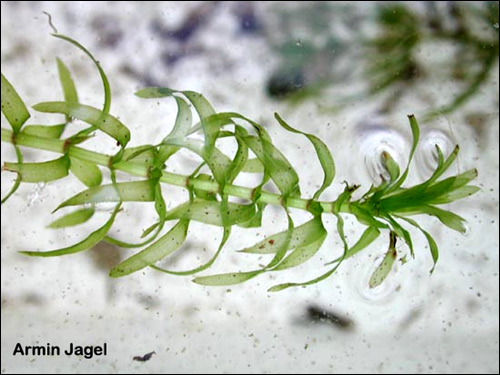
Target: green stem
{"x":136,"y":169}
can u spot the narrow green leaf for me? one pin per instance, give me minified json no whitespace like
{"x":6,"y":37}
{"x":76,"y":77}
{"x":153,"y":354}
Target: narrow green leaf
{"x":324,"y":276}
{"x":253,"y":166}
{"x":448,"y":218}
{"x":279,"y":168}
{"x":40,"y":172}
{"x":209,"y":212}
{"x":93,"y":239}
{"x":460,"y":193}
{"x":149,"y":229}
{"x":415,"y":135}
{"x":226,"y":279}
{"x":73,"y":218}
{"x":301,"y":254}
{"x":302,"y":235}
{"x":369,"y":235}
{"x":105,"y":82}
{"x":383,"y":270}
{"x":391,"y":166}
{"x":67,"y":84}
{"x":323,"y":153}
{"x":160,"y":249}
{"x":202,"y":106}
{"x":135,"y":191}
{"x":13,"y":107}
{"x":102,"y":121}
{"x":432,"y":244}
{"x":46,"y":131}
{"x":401,"y":233}
{"x":86,"y":172}
{"x":443,"y":165}
{"x":17,"y":183}
{"x":145,"y":155}
{"x":365,"y":216}
{"x":256,"y":221}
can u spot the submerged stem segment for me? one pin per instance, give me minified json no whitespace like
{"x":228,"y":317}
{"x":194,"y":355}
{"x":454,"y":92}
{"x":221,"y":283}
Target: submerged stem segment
{"x":136,"y":169}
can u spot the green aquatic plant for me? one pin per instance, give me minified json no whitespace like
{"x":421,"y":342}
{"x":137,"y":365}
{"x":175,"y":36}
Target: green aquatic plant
{"x":387,"y":207}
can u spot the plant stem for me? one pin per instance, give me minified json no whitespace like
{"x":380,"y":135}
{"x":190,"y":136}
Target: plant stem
{"x":136,"y":169}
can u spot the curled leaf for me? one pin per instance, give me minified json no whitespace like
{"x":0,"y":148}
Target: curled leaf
{"x":93,"y":239}
{"x":135,"y":191}
{"x":323,"y":153}
{"x":102,"y":121}
{"x":161,"y":248}
{"x":209,"y":212}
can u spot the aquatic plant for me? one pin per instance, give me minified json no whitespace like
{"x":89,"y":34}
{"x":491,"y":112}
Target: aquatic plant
{"x":387,"y":207}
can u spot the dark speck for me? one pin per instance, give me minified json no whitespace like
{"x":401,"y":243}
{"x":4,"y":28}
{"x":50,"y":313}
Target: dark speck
{"x":143,"y":358}
{"x":321,"y":315}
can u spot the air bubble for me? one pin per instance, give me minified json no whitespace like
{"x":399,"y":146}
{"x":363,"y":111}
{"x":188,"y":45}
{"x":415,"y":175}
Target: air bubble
{"x":385,"y":291}
{"x":427,"y":155}
{"x":375,"y":140}
{"x":37,"y":194}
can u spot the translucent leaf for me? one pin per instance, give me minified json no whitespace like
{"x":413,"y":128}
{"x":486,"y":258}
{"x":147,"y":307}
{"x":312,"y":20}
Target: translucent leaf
{"x":448,"y":218}
{"x":381,"y":272}
{"x":302,"y":235}
{"x":323,"y":153}
{"x":369,"y":235}
{"x":40,"y":172}
{"x":225,"y":279}
{"x":415,"y":135}
{"x":460,"y":193}
{"x":135,"y":191}
{"x":278,"y":167}
{"x":161,"y":248}
{"x":86,"y":172}
{"x":432,"y":244}
{"x":443,"y":165}
{"x":13,"y":107}
{"x":365,"y":216}
{"x":209,"y":212}
{"x":73,"y":218}
{"x":149,"y":229}
{"x":67,"y":84}
{"x":253,"y":166}
{"x":144,"y":155}
{"x":218,"y":162}
{"x":46,"y":131}
{"x":202,"y":106}
{"x":324,"y":276}
{"x":104,"y":122}
{"x":402,"y":233}
{"x":391,"y":166}
{"x":301,"y":254}
{"x":17,"y":183}
{"x":93,"y":239}
{"x":105,"y":82}
{"x":256,"y":221}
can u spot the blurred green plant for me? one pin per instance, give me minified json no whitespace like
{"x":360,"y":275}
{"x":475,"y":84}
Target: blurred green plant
{"x":387,"y":49}
{"x":387,"y":207}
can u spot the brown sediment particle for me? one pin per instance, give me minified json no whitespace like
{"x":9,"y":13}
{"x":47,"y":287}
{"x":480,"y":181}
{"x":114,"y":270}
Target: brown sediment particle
{"x":252,"y":194}
{"x":66,"y":145}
